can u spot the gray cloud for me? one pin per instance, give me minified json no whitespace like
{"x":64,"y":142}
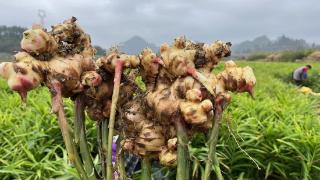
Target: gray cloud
{"x":110,"y":22}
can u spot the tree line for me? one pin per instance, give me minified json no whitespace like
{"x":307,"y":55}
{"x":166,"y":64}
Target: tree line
{"x":10,"y":37}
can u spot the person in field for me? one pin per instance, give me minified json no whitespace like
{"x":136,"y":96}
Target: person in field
{"x":300,"y":74}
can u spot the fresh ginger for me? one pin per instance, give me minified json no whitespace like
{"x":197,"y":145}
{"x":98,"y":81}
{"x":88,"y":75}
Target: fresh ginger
{"x":180,"y":85}
{"x":177,"y":59}
{"x":168,"y":154}
{"x":72,"y":39}
{"x":234,"y":79}
{"x":28,"y":71}
{"x":194,"y":110}
{"x":181,"y":56}
{"x":23,"y":75}
{"x":39,"y":43}
{"x":186,"y":87}
{"x":108,"y":62}
{"x":151,"y":65}
{"x":142,"y":135}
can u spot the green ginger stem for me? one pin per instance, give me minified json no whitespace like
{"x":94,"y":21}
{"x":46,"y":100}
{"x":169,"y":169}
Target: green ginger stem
{"x":146,"y":169}
{"x":213,"y":140}
{"x":183,"y":153}
{"x":79,"y":124}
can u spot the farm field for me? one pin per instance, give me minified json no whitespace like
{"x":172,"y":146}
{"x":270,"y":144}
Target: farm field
{"x":275,"y":136}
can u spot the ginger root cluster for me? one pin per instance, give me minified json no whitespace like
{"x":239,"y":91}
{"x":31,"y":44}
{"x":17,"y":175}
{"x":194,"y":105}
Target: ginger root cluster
{"x":180,"y":85}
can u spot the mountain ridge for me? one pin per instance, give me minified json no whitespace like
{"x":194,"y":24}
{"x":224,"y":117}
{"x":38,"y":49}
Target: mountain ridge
{"x":136,"y":44}
{"x":265,"y":44}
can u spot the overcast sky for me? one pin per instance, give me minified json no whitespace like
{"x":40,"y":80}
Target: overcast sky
{"x":110,"y":22}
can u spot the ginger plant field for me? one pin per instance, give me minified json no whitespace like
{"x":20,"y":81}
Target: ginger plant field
{"x":274,"y":136}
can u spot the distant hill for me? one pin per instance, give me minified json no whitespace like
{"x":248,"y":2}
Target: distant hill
{"x":135,"y":45}
{"x":99,"y":50}
{"x":264,"y":44}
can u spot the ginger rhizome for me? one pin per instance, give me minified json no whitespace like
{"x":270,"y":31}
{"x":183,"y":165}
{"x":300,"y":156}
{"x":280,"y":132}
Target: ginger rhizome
{"x":42,"y":60}
{"x":182,"y":94}
{"x":174,"y":91}
{"x":57,"y":59}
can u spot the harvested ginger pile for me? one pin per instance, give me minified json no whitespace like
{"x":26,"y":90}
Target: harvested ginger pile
{"x":308,"y":91}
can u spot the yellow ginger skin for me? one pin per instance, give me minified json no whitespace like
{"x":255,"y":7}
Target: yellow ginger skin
{"x":109,"y":61}
{"x":150,"y":137}
{"x":176,"y":59}
{"x":194,"y":110}
{"x":22,"y":75}
{"x":26,"y":73}
{"x":215,"y":51}
{"x":168,"y":154}
{"x":41,"y":63}
{"x":182,"y":94}
{"x":168,"y":157}
{"x":150,"y":67}
{"x":37,"y":40}
{"x":235,"y":78}
{"x":150,"y":62}
{"x":182,"y":55}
